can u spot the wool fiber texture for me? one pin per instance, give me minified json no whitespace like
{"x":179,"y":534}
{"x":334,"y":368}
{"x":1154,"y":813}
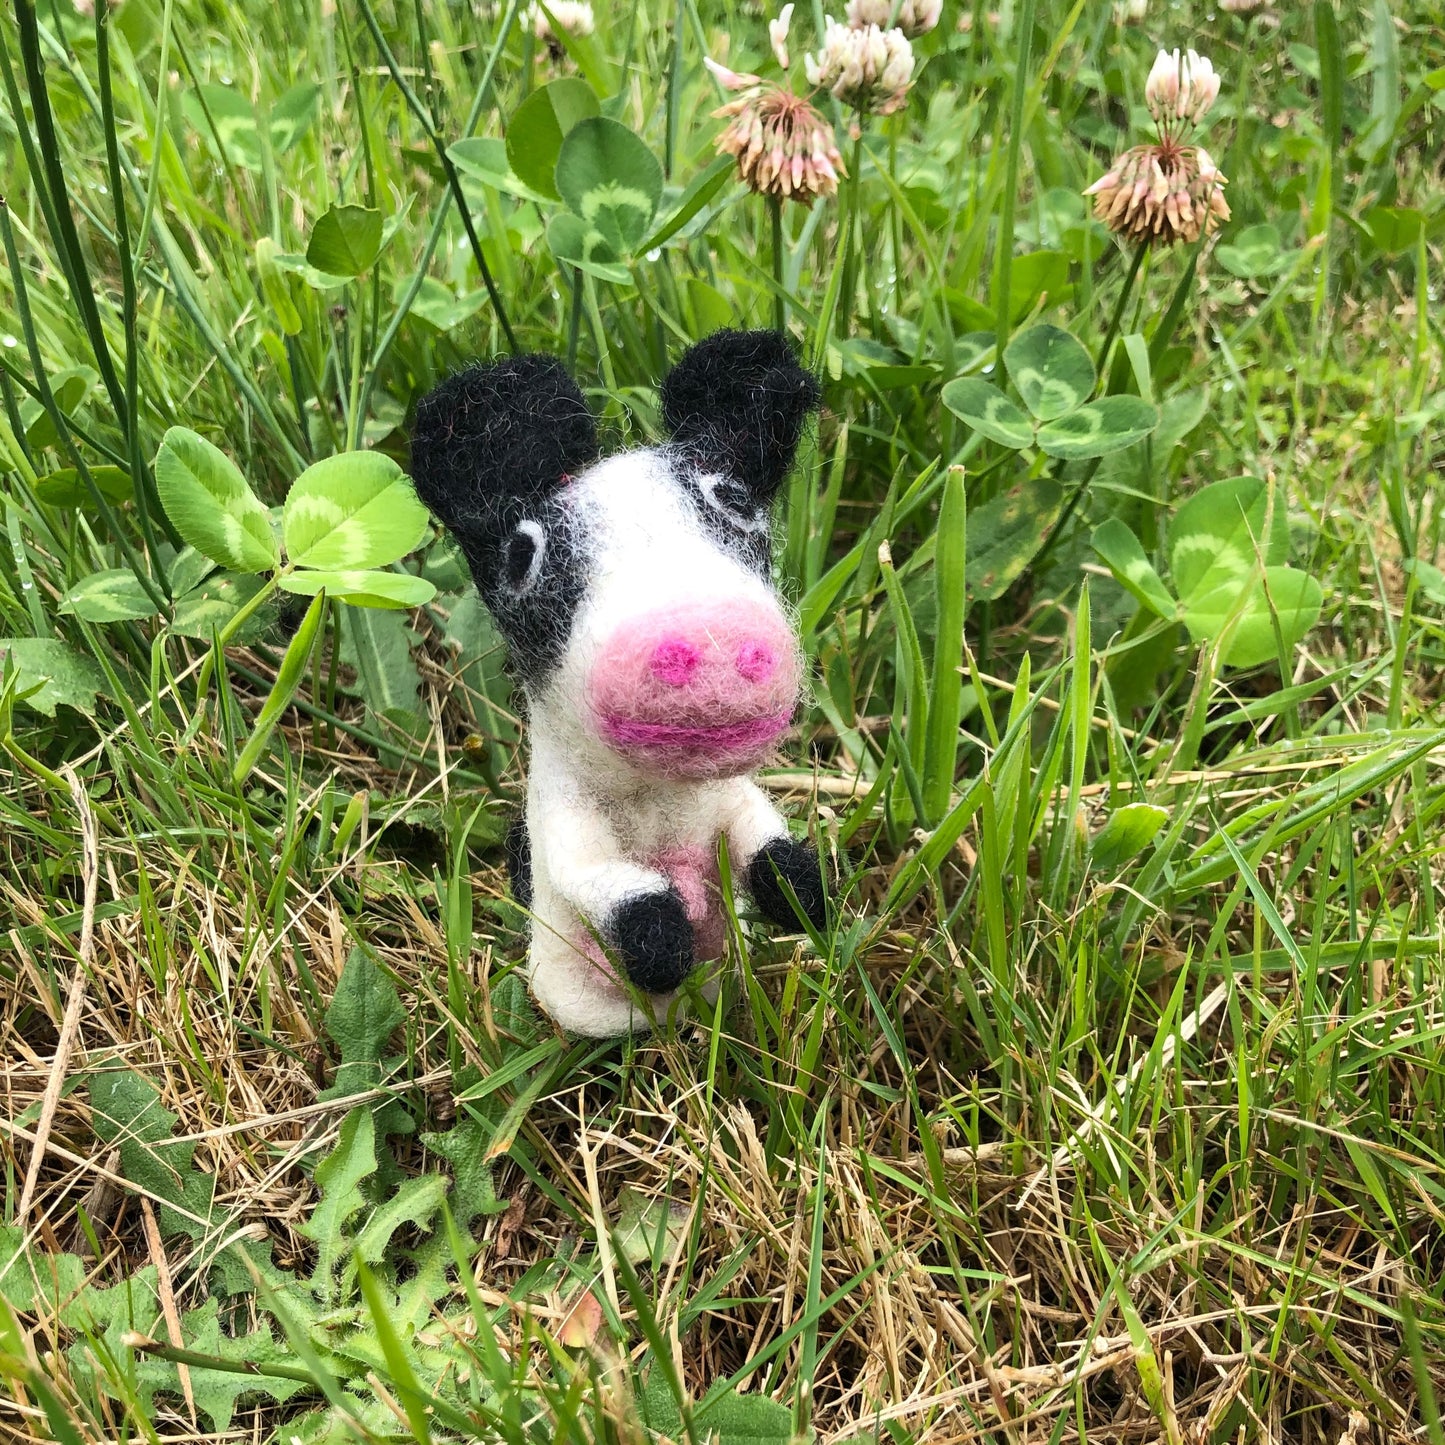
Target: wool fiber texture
{"x":492,"y":451}
{"x":496,"y":439}
{"x":739,"y":401}
{"x":655,"y":937}
{"x":783,"y":860}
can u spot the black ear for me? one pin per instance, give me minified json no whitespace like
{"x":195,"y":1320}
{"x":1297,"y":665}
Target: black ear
{"x":493,"y":442}
{"x":738,"y":401}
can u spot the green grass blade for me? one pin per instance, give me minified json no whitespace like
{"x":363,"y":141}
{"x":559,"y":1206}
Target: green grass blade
{"x":946,"y":688}
{"x":289,"y":677}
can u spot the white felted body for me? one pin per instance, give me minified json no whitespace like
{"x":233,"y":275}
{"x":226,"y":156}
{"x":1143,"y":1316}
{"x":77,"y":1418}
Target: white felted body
{"x":603,"y":826}
{"x":593,"y":848}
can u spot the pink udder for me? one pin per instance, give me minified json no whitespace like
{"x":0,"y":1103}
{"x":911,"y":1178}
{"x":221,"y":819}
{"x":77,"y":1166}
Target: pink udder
{"x":586,"y":945}
{"x":693,"y":871}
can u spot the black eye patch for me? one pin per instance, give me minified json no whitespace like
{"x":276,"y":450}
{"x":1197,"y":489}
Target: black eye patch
{"x":733,"y":516}
{"x":524,"y":556}
{"x":735,"y":498}
{"x":534,"y":581}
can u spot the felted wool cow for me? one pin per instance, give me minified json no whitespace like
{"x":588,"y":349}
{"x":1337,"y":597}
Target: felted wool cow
{"x":659,"y":670}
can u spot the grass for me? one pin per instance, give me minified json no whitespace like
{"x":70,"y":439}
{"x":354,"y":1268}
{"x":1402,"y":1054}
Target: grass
{"x":1077,"y":1124}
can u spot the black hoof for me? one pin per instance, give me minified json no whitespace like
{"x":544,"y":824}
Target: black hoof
{"x":785,"y":860}
{"x":652,"y":937}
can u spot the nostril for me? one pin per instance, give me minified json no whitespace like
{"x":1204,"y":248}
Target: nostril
{"x":756,"y":661}
{"x":674,"y":660}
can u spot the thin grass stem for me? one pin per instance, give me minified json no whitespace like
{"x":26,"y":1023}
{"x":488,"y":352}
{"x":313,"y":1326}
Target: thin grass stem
{"x":780,"y":296}
{"x":1003,"y":268}
{"x":62,"y":426}
{"x":454,"y":181}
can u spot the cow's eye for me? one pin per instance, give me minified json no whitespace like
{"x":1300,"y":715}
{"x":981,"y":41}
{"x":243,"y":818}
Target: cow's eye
{"x":522,"y":562}
{"x":734,"y":501}
{"x":733,"y":498}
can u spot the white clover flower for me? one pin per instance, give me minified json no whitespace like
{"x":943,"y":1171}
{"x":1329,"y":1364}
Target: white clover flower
{"x":731,"y":79}
{"x":868,"y":68}
{"x":1168,"y":190}
{"x":782,"y":145}
{"x":914,"y":18}
{"x":1161,"y":90}
{"x":574,"y":17}
{"x":1209,"y":173}
{"x":778,"y":33}
{"x":1180,"y":90}
{"x":1161,"y":194}
{"x":1130,"y":12}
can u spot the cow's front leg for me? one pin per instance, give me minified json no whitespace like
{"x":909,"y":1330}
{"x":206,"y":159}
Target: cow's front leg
{"x":637,"y":913}
{"x":768,"y":856}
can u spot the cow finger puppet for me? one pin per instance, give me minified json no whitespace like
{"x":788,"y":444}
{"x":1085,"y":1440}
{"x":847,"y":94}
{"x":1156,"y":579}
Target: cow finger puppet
{"x":658,"y":666}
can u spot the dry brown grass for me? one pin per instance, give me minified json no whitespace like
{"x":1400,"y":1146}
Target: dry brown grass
{"x":984,"y":1293}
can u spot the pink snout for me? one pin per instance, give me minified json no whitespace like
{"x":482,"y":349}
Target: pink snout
{"x":697,"y":692}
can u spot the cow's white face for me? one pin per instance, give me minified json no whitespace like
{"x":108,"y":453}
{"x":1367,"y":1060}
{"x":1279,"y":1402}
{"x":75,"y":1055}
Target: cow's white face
{"x":678,"y":659}
{"x":635,"y":593}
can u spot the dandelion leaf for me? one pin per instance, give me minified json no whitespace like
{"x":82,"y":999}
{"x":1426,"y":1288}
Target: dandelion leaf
{"x":127,"y":1112}
{"x":657,"y":1405}
{"x":365,"y":1010}
{"x":339,"y":1177}
{"x":49,"y":672}
{"x":364,"y":1013}
{"x":415,"y":1202}
{"x":735,"y":1419}
{"x":417,"y":1299}
{"x":217,"y":1391}
{"x":464,"y":1146}
{"x":239,"y":1264}
{"x":33,"y":1280}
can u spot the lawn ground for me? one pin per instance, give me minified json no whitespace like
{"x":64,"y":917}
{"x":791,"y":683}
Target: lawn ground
{"x":1110,"y":1106}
